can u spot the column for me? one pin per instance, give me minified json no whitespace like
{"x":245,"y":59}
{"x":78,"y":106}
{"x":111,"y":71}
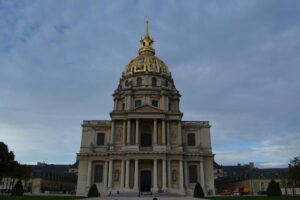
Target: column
{"x":186,"y":180}
{"x":202,"y":175}
{"x":137,"y":132}
{"x":155,"y":132}
{"x":136,"y":175}
{"x":163,"y":132}
{"x":128,"y":131}
{"x":122,"y":174}
{"x":181,"y":186}
{"x":112,"y":133}
{"x":105,"y":174}
{"x":169,"y":175}
{"x":164,"y":175}
{"x":124,"y":132}
{"x":127,"y":174}
{"x":155,"y":175}
{"x":89,"y":172}
{"x":110,"y":171}
{"x":179,"y":133}
{"x":168,"y":133}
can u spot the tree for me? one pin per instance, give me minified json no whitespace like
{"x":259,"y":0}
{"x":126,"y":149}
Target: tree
{"x":294,"y":172}
{"x":6,"y":157}
{"x":93,"y":192}
{"x":198,"y":191}
{"x":273,"y":189}
{"x":18,"y":189}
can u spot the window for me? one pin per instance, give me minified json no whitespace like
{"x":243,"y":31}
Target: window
{"x":170,"y":107}
{"x":98,"y":172}
{"x":191,"y":139}
{"x":154,"y":82}
{"x":193,"y":173}
{"x":137,"y":103}
{"x":155,"y":103}
{"x":146,"y":140}
{"x":123,"y":106}
{"x":100,"y":139}
{"x":139,"y":82}
{"x":166,"y":83}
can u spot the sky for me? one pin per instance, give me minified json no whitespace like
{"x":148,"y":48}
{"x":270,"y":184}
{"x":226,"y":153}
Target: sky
{"x":235,"y":63}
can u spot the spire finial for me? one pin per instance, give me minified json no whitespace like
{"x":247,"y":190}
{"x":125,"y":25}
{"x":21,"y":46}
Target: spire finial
{"x":147,"y":27}
{"x":147,"y":41}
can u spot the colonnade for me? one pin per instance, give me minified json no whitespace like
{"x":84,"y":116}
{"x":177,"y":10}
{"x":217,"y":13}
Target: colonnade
{"x":124,"y":178}
{"x":126,"y":132}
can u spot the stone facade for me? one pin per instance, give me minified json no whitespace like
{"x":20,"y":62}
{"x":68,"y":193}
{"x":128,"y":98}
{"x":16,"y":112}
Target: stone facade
{"x":145,"y":146}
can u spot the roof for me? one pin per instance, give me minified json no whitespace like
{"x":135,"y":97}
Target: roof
{"x":244,"y":172}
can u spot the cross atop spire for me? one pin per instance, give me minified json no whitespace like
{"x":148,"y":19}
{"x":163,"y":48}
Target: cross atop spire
{"x":147,"y":41}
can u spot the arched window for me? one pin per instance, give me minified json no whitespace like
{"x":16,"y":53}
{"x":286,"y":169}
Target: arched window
{"x":146,"y":136}
{"x":191,"y":139}
{"x":139,"y":82}
{"x":100,"y":139}
{"x":154,"y":82}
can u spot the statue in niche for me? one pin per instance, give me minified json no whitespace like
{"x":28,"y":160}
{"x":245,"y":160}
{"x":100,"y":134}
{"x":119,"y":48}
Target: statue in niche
{"x":174,"y":175}
{"x":118,"y":133}
{"x":116,"y":175}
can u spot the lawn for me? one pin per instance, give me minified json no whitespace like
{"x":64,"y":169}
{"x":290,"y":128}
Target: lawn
{"x":4,"y":197}
{"x":256,"y":198}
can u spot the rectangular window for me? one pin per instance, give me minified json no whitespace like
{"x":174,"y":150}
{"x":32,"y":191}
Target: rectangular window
{"x":155,"y":103}
{"x":193,"y":173}
{"x":100,"y":139}
{"x":191,"y":139}
{"x":146,"y":140}
{"x":137,"y":103}
{"x":123,"y":106}
{"x":98,"y":173}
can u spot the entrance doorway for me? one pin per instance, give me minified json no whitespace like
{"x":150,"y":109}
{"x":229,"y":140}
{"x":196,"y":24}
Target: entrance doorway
{"x":145,"y":181}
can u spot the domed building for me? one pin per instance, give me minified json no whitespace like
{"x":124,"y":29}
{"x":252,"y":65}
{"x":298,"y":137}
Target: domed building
{"x":145,"y":147}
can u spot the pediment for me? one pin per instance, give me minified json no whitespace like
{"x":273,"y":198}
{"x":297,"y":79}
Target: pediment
{"x":147,"y":108}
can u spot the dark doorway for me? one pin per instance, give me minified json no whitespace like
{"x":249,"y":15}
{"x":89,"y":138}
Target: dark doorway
{"x":145,"y":181}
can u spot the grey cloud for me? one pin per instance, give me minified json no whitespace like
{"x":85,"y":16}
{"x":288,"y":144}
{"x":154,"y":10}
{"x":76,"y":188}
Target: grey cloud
{"x":235,"y":63}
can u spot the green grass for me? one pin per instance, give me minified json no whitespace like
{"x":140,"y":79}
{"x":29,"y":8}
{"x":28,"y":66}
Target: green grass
{"x":255,"y":198}
{"x":4,"y":197}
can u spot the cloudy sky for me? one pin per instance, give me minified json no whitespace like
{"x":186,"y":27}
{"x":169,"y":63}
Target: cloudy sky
{"x":236,"y":64}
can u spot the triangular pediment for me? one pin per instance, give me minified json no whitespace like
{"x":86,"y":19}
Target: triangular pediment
{"x":147,"y":108}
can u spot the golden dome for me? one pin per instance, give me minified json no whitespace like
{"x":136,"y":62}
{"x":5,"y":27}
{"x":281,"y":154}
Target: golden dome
{"x":146,"y":61}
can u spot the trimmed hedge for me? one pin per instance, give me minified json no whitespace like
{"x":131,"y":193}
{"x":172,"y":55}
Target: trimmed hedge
{"x":18,"y":189}
{"x":273,"y":189}
{"x":93,"y":192}
{"x":198,"y":191}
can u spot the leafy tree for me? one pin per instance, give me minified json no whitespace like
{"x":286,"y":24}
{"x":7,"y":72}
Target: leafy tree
{"x":198,"y":191}
{"x":18,"y":189}
{"x":294,"y":172}
{"x":273,"y":189}
{"x":93,"y":192}
{"x":6,"y":157}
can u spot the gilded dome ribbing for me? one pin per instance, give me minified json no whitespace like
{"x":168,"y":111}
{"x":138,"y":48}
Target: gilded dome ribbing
{"x":146,"y":61}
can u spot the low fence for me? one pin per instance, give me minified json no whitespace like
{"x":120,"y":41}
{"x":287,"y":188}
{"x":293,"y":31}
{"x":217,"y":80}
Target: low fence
{"x":290,"y":191}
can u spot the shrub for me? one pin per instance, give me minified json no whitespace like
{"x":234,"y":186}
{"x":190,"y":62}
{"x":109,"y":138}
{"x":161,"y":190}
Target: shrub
{"x":18,"y":189}
{"x":198,"y":191}
{"x":93,"y":192}
{"x":273,"y":189}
